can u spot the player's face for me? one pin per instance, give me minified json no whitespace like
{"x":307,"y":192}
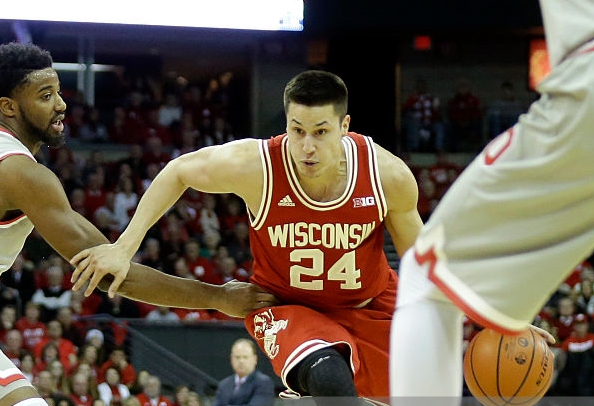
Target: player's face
{"x":315,"y":134}
{"x":41,"y":108}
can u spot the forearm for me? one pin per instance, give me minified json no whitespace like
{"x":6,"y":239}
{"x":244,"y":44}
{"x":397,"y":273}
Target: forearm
{"x":164,"y":191}
{"x":148,"y":285}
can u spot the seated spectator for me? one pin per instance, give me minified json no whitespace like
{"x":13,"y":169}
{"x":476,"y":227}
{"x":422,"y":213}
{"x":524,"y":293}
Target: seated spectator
{"x":94,"y":129}
{"x":180,"y":395}
{"x":576,"y":377}
{"x":8,"y":316}
{"x":66,"y":349}
{"x":22,"y":279}
{"x":118,"y":360}
{"x":162,"y":314}
{"x":180,"y":269}
{"x":95,"y":193}
{"x":45,"y":385}
{"x":80,"y":392}
{"x":72,"y":329}
{"x":89,"y":354}
{"x":49,"y":353}
{"x":112,"y":391}
{"x":27,"y":365}
{"x":54,"y":296}
{"x":155,"y":152}
{"x":151,"y":394}
{"x":59,"y":376}
{"x":125,"y":201}
{"x":563,"y":322}
{"x":105,"y":218}
{"x":119,"y":307}
{"x":193,"y":399}
{"x":13,"y":346}
{"x":198,"y":265}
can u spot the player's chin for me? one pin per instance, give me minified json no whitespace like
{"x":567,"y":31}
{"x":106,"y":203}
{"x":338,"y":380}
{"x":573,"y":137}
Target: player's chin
{"x":56,"y":140}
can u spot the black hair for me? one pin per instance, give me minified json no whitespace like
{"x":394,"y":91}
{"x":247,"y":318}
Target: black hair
{"x":317,"y":88}
{"x":17,"y":61}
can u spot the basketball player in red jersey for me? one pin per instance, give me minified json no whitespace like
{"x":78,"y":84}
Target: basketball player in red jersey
{"x":319,"y":197}
{"x":31,"y":114}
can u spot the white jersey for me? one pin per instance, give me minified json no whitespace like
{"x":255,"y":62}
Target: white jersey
{"x":13,"y":231}
{"x":521,"y":216}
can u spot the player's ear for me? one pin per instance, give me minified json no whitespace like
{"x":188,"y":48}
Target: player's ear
{"x":8,"y":106}
{"x":346,"y":121}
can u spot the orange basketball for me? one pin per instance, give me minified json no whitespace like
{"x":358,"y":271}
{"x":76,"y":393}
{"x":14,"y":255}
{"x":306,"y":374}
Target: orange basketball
{"x":514,"y":370}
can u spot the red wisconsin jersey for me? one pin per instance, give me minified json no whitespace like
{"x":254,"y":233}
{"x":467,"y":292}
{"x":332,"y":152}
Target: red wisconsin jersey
{"x":320,"y":254}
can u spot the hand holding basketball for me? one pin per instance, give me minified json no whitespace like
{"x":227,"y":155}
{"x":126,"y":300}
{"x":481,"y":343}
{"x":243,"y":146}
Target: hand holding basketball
{"x":508,"y":369}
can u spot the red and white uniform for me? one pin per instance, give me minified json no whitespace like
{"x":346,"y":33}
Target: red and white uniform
{"x":14,"y":230}
{"x":326,"y":261}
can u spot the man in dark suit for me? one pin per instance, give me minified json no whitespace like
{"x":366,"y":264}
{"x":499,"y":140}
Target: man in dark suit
{"x":247,"y":386}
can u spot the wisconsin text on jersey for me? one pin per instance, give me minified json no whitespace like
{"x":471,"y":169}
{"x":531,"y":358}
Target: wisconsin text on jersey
{"x":329,"y":235}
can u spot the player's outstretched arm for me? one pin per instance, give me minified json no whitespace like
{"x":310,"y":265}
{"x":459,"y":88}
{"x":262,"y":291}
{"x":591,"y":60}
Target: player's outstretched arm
{"x":152,"y":286}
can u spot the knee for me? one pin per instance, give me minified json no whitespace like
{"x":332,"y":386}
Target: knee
{"x":324,"y":373}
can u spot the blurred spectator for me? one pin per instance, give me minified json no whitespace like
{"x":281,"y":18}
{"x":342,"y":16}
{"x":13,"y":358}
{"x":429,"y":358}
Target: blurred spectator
{"x":152,"y":170}
{"x":112,"y":391}
{"x":465,"y":118}
{"x":170,"y":111}
{"x":180,"y":269}
{"x":151,"y":254}
{"x":49,"y":353}
{"x":30,"y":326}
{"x":59,"y":376}
{"x":22,"y":279}
{"x":198,"y":265}
{"x":93,"y":129}
{"x":125,"y":201}
{"x":13,"y":345}
{"x":576,"y":377}
{"x":77,"y":201}
{"x":208,"y":217}
{"x":155,"y":153}
{"x":504,"y":111}
{"x":138,"y":385}
{"x":233,"y":212}
{"x":66,"y":349}
{"x":54,"y":296}
{"x":155,"y":129}
{"x":162,"y":314}
{"x":585,"y":298}
{"x":423,"y":124}
{"x":563,"y":321}
{"x":118,"y":306}
{"x":80,"y":391}
{"x":45,"y":384}
{"x":238,"y":245}
{"x":27,"y":364}
{"x":72,"y":329}
{"x":180,"y":395}
{"x":134,"y":161}
{"x":193,"y":399}
{"x":117,"y":360}
{"x":106,"y":219}
{"x":443,"y":172}
{"x":151,"y":394}
{"x":95,"y":193}
{"x":91,"y":353}
{"x":8,"y":316}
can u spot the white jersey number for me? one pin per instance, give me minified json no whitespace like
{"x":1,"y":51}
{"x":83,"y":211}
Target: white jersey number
{"x":342,"y":270}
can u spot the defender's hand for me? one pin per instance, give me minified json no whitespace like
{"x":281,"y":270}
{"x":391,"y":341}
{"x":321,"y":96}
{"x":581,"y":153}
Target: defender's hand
{"x":94,"y":263}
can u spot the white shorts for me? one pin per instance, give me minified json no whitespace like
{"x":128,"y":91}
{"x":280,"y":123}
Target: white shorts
{"x":521,"y":216}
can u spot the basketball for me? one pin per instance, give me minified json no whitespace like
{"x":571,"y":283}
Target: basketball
{"x":508,"y":369}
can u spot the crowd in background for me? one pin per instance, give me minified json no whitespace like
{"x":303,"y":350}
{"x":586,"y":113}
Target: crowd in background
{"x":44,"y":326}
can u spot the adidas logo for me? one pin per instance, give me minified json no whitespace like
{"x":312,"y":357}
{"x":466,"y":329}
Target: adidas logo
{"x":286,"y":201}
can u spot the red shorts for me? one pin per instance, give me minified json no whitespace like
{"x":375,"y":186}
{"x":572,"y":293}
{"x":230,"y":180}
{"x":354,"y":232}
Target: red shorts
{"x":289,"y":333}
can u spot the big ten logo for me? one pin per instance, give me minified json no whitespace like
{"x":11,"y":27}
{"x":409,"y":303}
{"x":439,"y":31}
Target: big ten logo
{"x":363,"y":201}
